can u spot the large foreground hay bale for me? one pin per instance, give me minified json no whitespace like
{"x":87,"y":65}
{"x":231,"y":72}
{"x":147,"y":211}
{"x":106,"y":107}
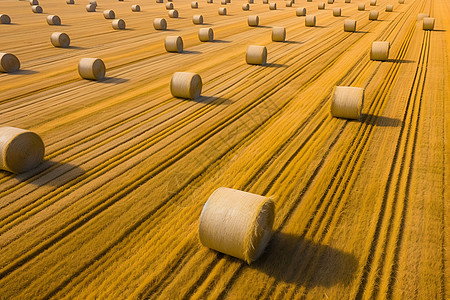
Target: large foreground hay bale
{"x":206,"y":34}
{"x":91,"y":68}
{"x":253,"y":20}
{"x":278,"y":34}
{"x":347,"y":102}
{"x":428,"y":23}
{"x":186,"y":85}
{"x":9,"y":63}
{"x":237,"y":223}
{"x":60,"y":39}
{"x":173,"y":43}
{"x":380,"y":51}
{"x":256,"y":55}
{"x":350,"y":25}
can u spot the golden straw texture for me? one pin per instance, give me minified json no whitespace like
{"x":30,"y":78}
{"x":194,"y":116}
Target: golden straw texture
{"x":347,"y":102}
{"x":310,"y":21}
{"x":109,"y":14}
{"x":373,"y":2}
{"x":186,"y":85}
{"x":300,"y":12}
{"x":278,"y":34}
{"x":428,"y":23}
{"x":91,"y":68}
{"x":9,"y":63}
{"x":421,"y":16}
{"x":380,"y":51}
{"x":349,"y":25}
{"x":330,"y":1}
{"x":118,"y":24}
{"x":253,"y":20}
{"x":206,"y":34}
{"x":288,"y":3}
{"x":173,"y":43}
{"x":60,"y":39}
{"x":5,"y":19}
{"x":53,"y":20}
{"x":160,"y":24}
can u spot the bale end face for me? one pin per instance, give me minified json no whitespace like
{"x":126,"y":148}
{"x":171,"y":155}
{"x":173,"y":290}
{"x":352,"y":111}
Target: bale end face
{"x":5,"y":19}
{"x":428,"y":23}
{"x":256,"y":55}
{"x":347,"y":102}
{"x":9,"y":63}
{"x":245,"y":6}
{"x":380,"y":51}
{"x":278,"y":34}
{"x":91,"y":68}
{"x":186,"y":85}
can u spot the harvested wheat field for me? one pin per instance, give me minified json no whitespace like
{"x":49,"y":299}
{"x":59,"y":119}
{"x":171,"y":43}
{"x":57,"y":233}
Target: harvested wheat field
{"x":360,"y":191}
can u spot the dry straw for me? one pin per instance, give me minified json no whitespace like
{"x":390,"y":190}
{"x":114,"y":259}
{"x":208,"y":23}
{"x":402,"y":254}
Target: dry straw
{"x":373,"y":2}
{"x":350,"y":25}
{"x":118,"y":24}
{"x":197,"y":19}
{"x":9,"y":63}
{"x":37,"y":9}
{"x":194,"y":4}
{"x":60,"y":39}
{"x":245,"y":6}
{"x":256,"y":55}
{"x":169,"y":5}
{"x":186,"y":85}
{"x":173,"y":43}
{"x":109,"y":14}
{"x":310,"y":21}
{"x":336,"y":12}
{"x":300,"y":12}
{"x":5,"y":19}
{"x":160,"y":24}
{"x":224,"y":2}
{"x":91,"y":68}
{"x":173,"y":13}
{"x":373,"y":15}
{"x":253,"y":20}
{"x":288,"y":3}
{"x":21,"y":150}
{"x":330,"y":1}
{"x":135,"y":8}
{"x":53,"y":20}
{"x":265,"y":1}
{"x":273,"y":6}
{"x":93,"y":2}
{"x":401,"y":1}
{"x":159,"y":1}
{"x":222,"y":11}
{"x":428,"y":23}
{"x":206,"y":34}
{"x":250,"y":1}
{"x":421,"y":16}
{"x":278,"y":34}
{"x":389,"y":8}
{"x":237,"y":223}
{"x":347,"y":102}
{"x":209,"y":1}
{"x":90,"y":8}
{"x":361,"y":6}
{"x":34,"y":2}
{"x":348,"y":1}
{"x":380,"y":51}
{"x":321,"y":5}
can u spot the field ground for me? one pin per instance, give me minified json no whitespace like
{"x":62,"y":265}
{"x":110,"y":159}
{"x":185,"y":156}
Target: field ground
{"x":361,"y":206}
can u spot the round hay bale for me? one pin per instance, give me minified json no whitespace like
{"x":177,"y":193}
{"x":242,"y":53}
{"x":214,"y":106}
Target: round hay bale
{"x":348,"y":1}
{"x":373,"y":2}
{"x":173,"y":13}
{"x":278,"y":34}
{"x":91,"y":68}
{"x":308,"y":0}
{"x":250,"y":1}
{"x":373,"y":15}
{"x":53,"y":20}
{"x":160,"y":24}
{"x":173,"y":43}
{"x":34,"y":2}
{"x":209,"y":1}
{"x":169,"y":5}
{"x":253,"y":20}
{"x":197,"y":19}
{"x":21,"y":150}
{"x":421,"y":16}
{"x":389,"y":8}
{"x":380,"y":51}
{"x":256,"y":55}
{"x":135,"y":8}
{"x":401,"y":1}
{"x":37,"y":9}
{"x":361,"y":6}
{"x":350,"y":25}
{"x":288,"y":3}
{"x":273,"y":6}
{"x":60,"y":39}
{"x":5,"y":19}
{"x":310,"y":21}
{"x":194,"y":4}
{"x":245,"y":6}
{"x":428,"y":23}
{"x":90,"y":8}
{"x":228,"y":1}
{"x":237,"y":223}
{"x":93,"y":2}
{"x":347,"y":102}
{"x":300,"y":12}
{"x":159,"y":1}
{"x":70,"y":1}
{"x":118,"y":24}
{"x":223,"y":2}
{"x":206,"y":34}
{"x":330,"y":1}
{"x":9,"y":63}
{"x":265,"y":1}
{"x":336,"y":12}
{"x":186,"y":85}
{"x":222,"y":11}
{"x":109,"y":14}
{"x":321,"y":5}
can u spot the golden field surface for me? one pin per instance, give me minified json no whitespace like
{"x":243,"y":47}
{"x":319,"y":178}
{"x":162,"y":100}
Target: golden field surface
{"x":112,"y":213}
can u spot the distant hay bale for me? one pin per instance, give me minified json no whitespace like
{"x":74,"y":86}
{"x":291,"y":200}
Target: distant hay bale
{"x":5,"y":19}
{"x":350,"y":25}
{"x":256,"y":55}
{"x":209,"y":1}
{"x":169,"y":5}
{"x":93,"y":2}
{"x":197,"y":19}
{"x":300,"y":12}
{"x":9,"y":63}
{"x":310,"y":21}
{"x":330,"y":1}
{"x":421,"y":16}
{"x":186,"y":85}
{"x":159,"y":1}
{"x":109,"y":14}
{"x":361,"y":6}
{"x":37,"y":9}
{"x":253,"y":20}
{"x":160,"y":24}
{"x":91,"y":68}
{"x":173,"y":43}
{"x":321,"y":5}
{"x":389,"y":8}
{"x":21,"y":150}
{"x":70,"y":1}
{"x":173,"y":13}
{"x":90,"y":8}
{"x":428,"y":23}
{"x":60,"y":39}
{"x":206,"y":34}
{"x":237,"y":223}
{"x":401,"y":1}
{"x":265,"y":1}
{"x":135,"y":8}
{"x":273,"y":6}
{"x":373,"y":2}
{"x":250,"y":1}
{"x":245,"y":6}
{"x":380,"y":51}
{"x":194,"y":4}
{"x":223,"y":2}
{"x":308,"y":0}
{"x":373,"y":15}
{"x":222,"y":11}
{"x":34,"y":2}
{"x":348,"y":1}
{"x":337,"y":12}
{"x":278,"y":34}
{"x":288,"y":3}
{"x":347,"y":102}
{"x":118,"y":24}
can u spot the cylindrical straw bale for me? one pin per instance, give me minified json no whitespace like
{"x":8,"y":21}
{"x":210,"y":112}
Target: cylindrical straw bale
{"x":206,"y":34}
{"x":428,"y":23}
{"x":308,"y":0}
{"x":5,"y":19}
{"x":118,"y":24}
{"x":135,"y":8}
{"x":421,"y":16}
{"x":389,"y":8}
{"x":380,"y":51}
{"x":53,"y":20}
{"x":228,"y":1}
{"x":222,"y":11}
{"x":70,"y":1}
{"x":373,"y":15}
{"x":21,"y":150}
{"x":159,"y":1}
{"x":278,"y":34}
{"x":361,"y":6}
{"x":173,"y":13}
{"x":223,"y":2}
{"x":37,"y":9}
{"x":91,"y":68}
{"x":330,"y":1}
{"x":273,"y":6}
{"x":209,"y":1}
{"x":173,"y":44}
{"x":253,"y":20}
{"x":237,"y":223}
{"x":373,"y":2}
{"x":337,"y":12}
{"x":301,"y":11}
{"x":321,"y":5}
{"x":310,"y":21}
{"x":348,"y":1}
{"x":186,"y":85}
{"x":401,"y":1}
{"x":250,"y":1}
{"x":288,"y":3}
{"x":256,"y":55}
{"x":347,"y":102}
{"x":194,"y":4}
{"x":34,"y":2}
{"x":109,"y":14}
{"x":350,"y":25}
{"x":245,"y":6}
{"x":9,"y":63}
{"x":197,"y":19}
{"x":169,"y":5}
{"x":160,"y":24}
{"x":93,"y":2}
{"x":90,"y":8}
{"x":60,"y":39}
{"x":265,"y":1}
